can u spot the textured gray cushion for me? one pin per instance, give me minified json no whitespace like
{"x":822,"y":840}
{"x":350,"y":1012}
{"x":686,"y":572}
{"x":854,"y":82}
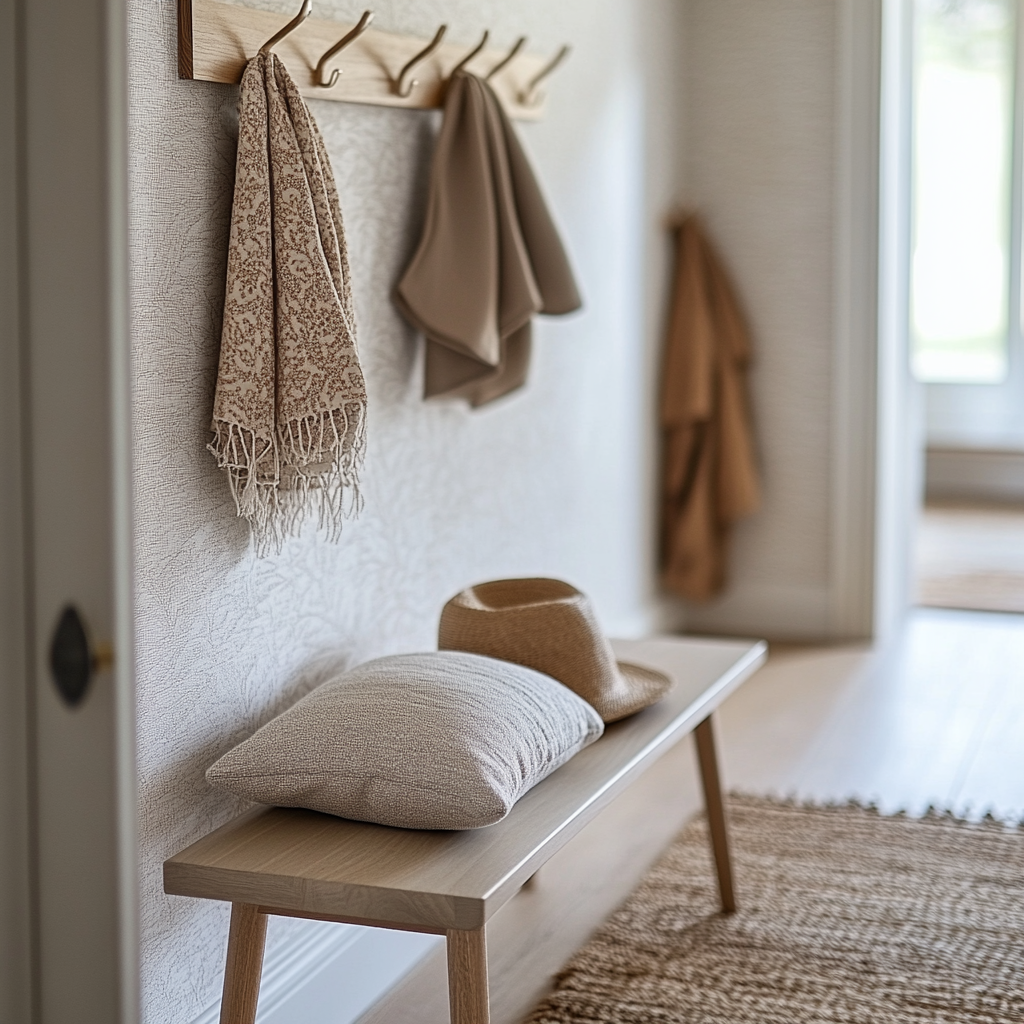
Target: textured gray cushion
{"x":442,"y":741}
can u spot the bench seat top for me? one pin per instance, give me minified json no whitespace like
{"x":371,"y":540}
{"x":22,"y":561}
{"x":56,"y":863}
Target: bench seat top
{"x":305,"y":864}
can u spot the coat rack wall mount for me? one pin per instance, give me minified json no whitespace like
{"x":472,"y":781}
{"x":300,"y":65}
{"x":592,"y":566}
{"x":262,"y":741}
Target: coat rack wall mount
{"x":354,"y":63}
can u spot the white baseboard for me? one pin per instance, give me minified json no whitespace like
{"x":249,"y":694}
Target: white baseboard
{"x":658,"y":615}
{"x":332,"y":974}
{"x":777,"y":611}
{"x":966,"y":473}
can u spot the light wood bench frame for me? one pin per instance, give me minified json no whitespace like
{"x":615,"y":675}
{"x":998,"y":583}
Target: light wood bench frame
{"x":294,"y":863}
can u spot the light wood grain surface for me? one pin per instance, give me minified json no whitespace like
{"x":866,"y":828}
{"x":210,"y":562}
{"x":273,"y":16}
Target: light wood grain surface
{"x":303,"y":861}
{"x":246,"y":940}
{"x":934,"y":716}
{"x":469,"y":1002}
{"x":714,"y":806}
{"x":971,"y":556}
{"x":216,"y":39}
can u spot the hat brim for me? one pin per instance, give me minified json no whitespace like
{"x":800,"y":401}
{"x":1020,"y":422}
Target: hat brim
{"x":644,"y":687}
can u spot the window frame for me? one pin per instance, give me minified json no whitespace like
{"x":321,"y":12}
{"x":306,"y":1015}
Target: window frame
{"x":990,"y":415}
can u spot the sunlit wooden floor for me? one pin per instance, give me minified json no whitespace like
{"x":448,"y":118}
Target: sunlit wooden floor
{"x":971,"y":556}
{"x":937,"y":717}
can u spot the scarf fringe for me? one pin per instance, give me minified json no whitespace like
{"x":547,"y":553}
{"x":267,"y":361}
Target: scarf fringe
{"x":311,"y":462}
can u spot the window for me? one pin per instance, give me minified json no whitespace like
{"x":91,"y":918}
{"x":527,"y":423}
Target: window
{"x":962,"y":302}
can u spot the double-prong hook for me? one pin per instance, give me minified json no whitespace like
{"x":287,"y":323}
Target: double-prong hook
{"x":345,"y":40}
{"x":528,"y":97}
{"x":403,"y":84}
{"x":304,"y":12}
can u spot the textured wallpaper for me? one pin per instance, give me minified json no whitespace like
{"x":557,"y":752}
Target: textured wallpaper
{"x":760,"y":164}
{"x":555,"y":480}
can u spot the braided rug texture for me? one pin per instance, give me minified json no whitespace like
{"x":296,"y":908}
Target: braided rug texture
{"x":844,"y":916}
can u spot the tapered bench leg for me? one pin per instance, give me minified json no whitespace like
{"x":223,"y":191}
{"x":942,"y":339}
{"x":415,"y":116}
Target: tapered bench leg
{"x":467,"y":977}
{"x":715,"y":811}
{"x":246,"y":940}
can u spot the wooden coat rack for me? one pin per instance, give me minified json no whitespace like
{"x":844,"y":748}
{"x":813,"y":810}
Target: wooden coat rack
{"x":216,"y":39}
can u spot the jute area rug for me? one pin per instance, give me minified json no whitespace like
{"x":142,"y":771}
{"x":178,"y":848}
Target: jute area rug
{"x":844,"y":916}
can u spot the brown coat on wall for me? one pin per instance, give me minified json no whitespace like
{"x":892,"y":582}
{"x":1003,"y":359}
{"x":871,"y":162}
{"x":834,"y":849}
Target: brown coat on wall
{"x":710,"y":479}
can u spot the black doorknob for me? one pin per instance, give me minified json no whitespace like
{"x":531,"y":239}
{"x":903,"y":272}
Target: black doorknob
{"x":72,"y":659}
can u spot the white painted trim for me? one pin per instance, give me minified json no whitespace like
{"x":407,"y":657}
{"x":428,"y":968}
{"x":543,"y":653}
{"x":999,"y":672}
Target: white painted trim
{"x":778,"y":611}
{"x":900,"y":461}
{"x":301,"y":960}
{"x":15,"y":851}
{"x":77,"y":476}
{"x":855,"y":320}
{"x":992,"y":415}
{"x":293,"y":965}
{"x":349,"y":985}
{"x":331,"y":973}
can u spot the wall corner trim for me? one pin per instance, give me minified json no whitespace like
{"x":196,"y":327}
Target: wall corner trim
{"x":331,"y":972}
{"x":293,"y":966}
{"x":855,"y":306}
{"x":773,"y":610}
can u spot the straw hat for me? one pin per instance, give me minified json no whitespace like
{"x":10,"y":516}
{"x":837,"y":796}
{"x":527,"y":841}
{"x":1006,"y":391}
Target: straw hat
{"x":549,"y":626}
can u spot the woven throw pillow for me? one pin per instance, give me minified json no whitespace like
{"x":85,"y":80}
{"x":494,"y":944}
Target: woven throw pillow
{"x":440,"y":741}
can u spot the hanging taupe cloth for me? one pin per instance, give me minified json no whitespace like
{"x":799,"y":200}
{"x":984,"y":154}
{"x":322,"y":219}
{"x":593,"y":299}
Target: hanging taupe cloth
{"x":490,"y":257}
{"x":289,"y":415}
{"x":710,"y":478}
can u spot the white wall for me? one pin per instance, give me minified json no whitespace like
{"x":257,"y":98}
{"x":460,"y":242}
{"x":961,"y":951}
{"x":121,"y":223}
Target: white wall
{"x":556,"y":480}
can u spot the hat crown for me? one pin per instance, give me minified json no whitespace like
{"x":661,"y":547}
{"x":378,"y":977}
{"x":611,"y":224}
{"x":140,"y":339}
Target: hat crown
{"x":510,"y":595}
{"x":547,"y":625}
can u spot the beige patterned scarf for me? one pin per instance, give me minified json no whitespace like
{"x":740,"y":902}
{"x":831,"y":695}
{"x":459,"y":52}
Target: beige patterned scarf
{"x":289,"y":414}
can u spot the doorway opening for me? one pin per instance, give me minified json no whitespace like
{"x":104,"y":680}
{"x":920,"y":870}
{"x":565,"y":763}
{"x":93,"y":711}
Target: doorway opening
{"x":966,"y":337}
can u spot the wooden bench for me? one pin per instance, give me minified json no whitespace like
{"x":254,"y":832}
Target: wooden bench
{"x":298,"y":863}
